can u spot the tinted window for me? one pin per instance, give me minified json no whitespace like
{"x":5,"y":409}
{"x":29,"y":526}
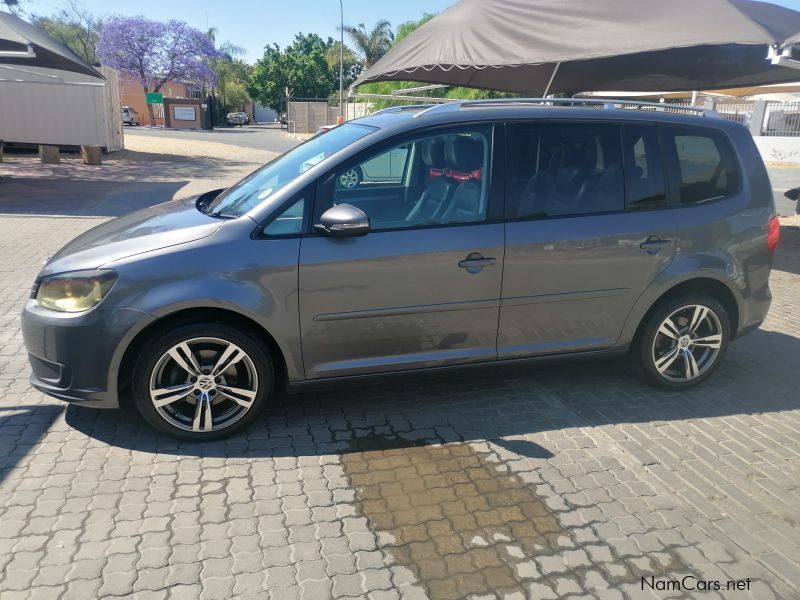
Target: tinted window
{"x":706,"y":169}
{"x":564,"y":169}
{"x":644,"y":174}
{"x":434,"y":180}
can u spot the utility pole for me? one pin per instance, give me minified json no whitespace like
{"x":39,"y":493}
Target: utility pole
{"x":341,"y":59}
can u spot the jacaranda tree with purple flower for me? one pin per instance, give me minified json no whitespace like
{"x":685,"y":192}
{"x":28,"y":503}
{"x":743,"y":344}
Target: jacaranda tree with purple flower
{"x":155,"y":53}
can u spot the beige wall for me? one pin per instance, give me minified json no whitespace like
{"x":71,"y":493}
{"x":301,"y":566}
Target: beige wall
{"x":310,"y":116}
{"x":132,"y":94}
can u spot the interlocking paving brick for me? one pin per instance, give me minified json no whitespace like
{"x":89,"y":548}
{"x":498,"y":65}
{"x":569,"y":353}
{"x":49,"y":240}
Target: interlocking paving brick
{"x":570,"y":481}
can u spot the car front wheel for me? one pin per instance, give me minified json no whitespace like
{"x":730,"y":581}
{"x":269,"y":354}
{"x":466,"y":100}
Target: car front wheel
{"x":202,"y":381}
{"x":683,"y":341}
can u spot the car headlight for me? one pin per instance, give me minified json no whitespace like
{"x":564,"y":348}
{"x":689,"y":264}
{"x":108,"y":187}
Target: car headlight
{"x":76,"y":291}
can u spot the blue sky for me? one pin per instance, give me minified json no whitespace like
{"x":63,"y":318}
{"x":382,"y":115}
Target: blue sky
{"x":253,"y":24}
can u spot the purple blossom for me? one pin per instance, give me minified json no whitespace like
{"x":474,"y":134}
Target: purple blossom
{"x":154,"y":52}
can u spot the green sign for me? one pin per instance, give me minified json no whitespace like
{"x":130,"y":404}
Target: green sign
{"x":154,"y":98}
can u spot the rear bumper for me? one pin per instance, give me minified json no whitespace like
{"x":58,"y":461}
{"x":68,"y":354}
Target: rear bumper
{"x":753,"y":311}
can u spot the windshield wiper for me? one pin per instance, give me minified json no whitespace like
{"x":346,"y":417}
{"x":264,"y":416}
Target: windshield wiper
{"x":221,"y":215}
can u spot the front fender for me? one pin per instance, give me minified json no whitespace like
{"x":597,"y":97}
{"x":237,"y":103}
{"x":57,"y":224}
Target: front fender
{"x":256,"y":279}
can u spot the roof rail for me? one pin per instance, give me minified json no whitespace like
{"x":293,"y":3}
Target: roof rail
{"x":401,"y":108}
{"x":604,"y":103}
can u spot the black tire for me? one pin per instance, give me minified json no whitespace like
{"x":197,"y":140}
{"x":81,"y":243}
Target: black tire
{"x":154,"y":356}
{"x":681,"y":310}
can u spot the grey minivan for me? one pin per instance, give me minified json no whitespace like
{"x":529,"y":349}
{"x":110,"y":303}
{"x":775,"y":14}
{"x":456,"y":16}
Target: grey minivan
{"x":418,"y":238}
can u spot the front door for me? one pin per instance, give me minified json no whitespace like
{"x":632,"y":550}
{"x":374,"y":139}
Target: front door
{"x":589,"y":227}
{"x":422,"y":288}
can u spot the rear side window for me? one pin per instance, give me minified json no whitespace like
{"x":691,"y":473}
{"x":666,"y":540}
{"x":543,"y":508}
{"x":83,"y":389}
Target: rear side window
{"x":557,"y":169}
{"x":644,"y":173}
{"x":704,"y":164}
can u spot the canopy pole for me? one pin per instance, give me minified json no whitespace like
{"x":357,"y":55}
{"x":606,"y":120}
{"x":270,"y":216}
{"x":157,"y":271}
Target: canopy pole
{"x":549,"y":83}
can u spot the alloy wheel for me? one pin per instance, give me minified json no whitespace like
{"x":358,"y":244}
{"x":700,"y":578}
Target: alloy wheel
{"x":349,"y":179}
{"x":203,"y":384}
{"x":687,"y":343}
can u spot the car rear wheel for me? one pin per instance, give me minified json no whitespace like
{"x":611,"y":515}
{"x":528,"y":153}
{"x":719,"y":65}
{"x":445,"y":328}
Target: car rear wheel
{"x":683,"y":341}
{"x":202,"y":381}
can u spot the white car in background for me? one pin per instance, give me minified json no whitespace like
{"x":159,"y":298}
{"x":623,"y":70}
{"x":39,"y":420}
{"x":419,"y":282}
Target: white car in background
{"x":130,"y":116}
{"x":235,"y":118}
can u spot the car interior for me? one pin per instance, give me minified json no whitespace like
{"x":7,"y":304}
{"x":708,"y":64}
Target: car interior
{"x":564,"y":169}
{"x":444,"y":181}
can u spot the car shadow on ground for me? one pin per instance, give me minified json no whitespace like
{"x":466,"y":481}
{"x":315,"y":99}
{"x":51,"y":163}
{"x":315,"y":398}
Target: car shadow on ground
{"x":21,"y":428}
{"x":501,"y":404}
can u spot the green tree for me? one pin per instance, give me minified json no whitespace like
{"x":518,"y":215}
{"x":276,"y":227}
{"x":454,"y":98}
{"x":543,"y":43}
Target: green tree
{"x":75,"y":27}
{"x":302,"y":67}
{"x":405,"y":28}
{"x":12,"y":5}
{"x":236,"y":96}
{"x":232,"y":77}
{"x":371,"y":44}
{"x":352,"y":63}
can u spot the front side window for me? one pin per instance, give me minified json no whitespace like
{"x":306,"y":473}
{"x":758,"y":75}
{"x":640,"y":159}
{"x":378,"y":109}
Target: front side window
{"x":705,"y":164}
{"x":440,"y":179}
{"x":263,"y":183}
{"x":289,"y":222}
{"x":557,"y":169}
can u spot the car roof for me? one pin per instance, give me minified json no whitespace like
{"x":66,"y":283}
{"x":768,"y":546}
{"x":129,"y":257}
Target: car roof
{"x":406,"y":118}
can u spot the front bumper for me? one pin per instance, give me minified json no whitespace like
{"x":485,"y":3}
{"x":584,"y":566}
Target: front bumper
{"x":76,"y":357}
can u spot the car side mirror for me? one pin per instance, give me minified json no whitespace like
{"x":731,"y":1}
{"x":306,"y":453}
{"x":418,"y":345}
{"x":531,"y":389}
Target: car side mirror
{"x":792,"y":194}
{"x":343,"y":220}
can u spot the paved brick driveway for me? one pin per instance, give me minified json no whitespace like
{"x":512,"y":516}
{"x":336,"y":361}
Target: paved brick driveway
{"x":540,"y":482}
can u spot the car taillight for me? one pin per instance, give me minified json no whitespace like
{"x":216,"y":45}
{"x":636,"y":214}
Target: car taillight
{"x":774,"y":234}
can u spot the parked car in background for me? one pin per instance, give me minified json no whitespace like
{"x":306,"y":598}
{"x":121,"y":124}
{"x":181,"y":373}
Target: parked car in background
{"x":130,"y":116}
{"x":235,"y":118}
{"x":794,"y":194}
{"x":324,"y":128}
{"x":476,"y":232}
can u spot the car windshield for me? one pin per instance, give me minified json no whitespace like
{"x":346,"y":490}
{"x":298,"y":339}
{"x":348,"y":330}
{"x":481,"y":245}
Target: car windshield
{"x":261,"y":184}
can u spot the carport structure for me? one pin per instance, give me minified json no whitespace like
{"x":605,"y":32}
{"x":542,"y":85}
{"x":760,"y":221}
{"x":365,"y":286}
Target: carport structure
{"x":539,"y":47}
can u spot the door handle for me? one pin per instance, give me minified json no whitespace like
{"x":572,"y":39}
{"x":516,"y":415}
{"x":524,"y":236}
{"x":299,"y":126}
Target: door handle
{"x":654,"y":243}
{"x":475,"y":262}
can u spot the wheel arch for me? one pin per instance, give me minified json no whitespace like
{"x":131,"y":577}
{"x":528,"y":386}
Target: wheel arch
{"x":196,"y":315}
{"x":710,"y":286}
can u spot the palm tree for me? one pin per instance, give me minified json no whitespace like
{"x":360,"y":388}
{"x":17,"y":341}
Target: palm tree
{"x":371,"y":45}
{"x":229,"y":67}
